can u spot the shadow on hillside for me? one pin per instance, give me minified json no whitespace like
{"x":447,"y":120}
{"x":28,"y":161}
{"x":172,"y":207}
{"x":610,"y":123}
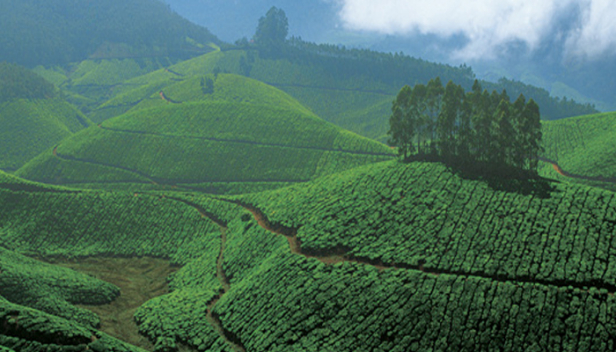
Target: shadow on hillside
{"x":506,"y":179}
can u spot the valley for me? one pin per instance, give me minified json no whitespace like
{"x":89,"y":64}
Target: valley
{"x":165,"y":191}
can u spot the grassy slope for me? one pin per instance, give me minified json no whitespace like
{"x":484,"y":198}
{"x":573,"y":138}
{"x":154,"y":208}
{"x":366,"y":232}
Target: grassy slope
{"x":340,"y":99}
{"x":429,"y":260}
{"x":584,"y":146}
{"x":126,"y":224}
{"x":243,"y":131}
{"x":31,"y":126}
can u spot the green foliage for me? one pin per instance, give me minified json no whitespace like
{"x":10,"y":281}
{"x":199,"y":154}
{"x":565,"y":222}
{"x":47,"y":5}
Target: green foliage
{"x":474,"y":128}
{"x":125,"y":224}
{"x":31,"y":126}
{"x":17,"y":82}
{"x":273,"y":28}
{"x":245,"y":132}
{"x":582,"y":146}
{"x":422,"y":213}
{"x":52,"y":289}
{"x":28,"y":330}
{"x":62,"y":31}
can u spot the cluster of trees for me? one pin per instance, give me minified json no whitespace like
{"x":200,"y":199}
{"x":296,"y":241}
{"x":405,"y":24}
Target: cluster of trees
{"x":476,"y":128}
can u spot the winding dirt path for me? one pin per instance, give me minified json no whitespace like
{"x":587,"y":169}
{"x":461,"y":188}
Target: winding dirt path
{"x":339,"y":255}
{"x":562,"y":172}
{"x":230,"y":338}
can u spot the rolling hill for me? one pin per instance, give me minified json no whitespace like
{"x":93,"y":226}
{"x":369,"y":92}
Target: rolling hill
{"x":34,"y":116}
{"x":235,"y":136}
{"x":350,"y":88}
{"x":584,"y":149}
{"x":387,"y":256}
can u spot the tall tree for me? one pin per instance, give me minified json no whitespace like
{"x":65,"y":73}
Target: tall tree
{"x":433,"y":103}
{"x":447,"y":119}
{"x":504,"y":135}
{"x":532,"y":128}
{"x":517,"y":119}
{"x":418,"y":114}
{"x":273,"y":28}
{"x":402,"y":123}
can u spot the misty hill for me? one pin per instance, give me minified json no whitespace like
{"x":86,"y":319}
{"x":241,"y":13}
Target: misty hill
{"x":342,"y":260}
{"x":584,"y":148}
{"x":351,"y":88}
{"x":34,"y":116}
{"x":251,"y":136}
{"x":51,"y":32}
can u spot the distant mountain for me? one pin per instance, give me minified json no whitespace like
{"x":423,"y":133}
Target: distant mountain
{"x":33,"y":114}
{"x":60,"y":31}
{"x":232,"y":20}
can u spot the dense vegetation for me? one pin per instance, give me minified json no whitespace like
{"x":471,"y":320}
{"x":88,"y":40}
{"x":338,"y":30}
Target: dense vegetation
{"x":471,"y":129}
{"x":242,"y":132}
{"x":52,"y":32}
{"x":17,"y":82}
{"x":584,"y":147}
{"x":34,"y":116}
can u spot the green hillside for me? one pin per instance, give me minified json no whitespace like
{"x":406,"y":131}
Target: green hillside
{"x":390,"y":256}
{"x":350,"y":88}
{"x":34,"y":116}
{"x":58,"y":32}
{"x":242,"y":135}
{"x":584,"y":147}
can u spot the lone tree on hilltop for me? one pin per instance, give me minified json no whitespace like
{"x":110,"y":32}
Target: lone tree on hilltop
{"x":273,"y":28}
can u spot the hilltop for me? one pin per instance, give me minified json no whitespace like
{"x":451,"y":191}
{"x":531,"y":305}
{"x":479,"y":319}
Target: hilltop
{"x":34,"y":116}
{"x":237,"y":135}
{"x":350,"y":88}
{"x":583,"y":148}
{"x":386,"y":256}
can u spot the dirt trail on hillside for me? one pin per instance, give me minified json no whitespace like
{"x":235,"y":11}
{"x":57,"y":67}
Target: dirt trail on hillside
{"x":139,"y":280}
{"x":232,"y":340}
{"x":340,"y":255}
{"x":562,"y":172}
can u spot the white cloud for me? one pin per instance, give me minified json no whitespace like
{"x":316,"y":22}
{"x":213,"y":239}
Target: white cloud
{"x":490,"y":24}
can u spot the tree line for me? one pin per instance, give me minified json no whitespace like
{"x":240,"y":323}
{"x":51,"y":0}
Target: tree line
{"x":477,"y":129}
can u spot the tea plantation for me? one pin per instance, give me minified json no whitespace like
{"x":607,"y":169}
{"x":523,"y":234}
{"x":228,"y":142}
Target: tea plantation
{"x":584,"y":147}
{"x":384,"y":257}
{"x":250,"y":137}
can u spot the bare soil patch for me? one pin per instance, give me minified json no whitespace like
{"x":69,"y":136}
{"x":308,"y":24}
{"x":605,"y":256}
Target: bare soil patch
{"x":139,"y":280}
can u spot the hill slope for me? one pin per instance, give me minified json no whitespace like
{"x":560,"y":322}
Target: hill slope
{"x":584,"y":148}
{"x":383,"y":257}
{"x":62,"y":31}
{"x":34,"y":116}
{"x":249,"y":134}
{"x":350,"y":88}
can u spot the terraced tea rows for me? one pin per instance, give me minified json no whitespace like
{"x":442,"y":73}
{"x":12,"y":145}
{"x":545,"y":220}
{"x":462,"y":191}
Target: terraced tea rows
{"x":425,"y":287}
{"x":584,"y":147}
{"x":216,"y":145}
{"x":423,"y":216}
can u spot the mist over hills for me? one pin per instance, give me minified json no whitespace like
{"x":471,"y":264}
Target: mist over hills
{"x":548,"y":61}
{"x":49,"y":32}
{"x":248,"y":197}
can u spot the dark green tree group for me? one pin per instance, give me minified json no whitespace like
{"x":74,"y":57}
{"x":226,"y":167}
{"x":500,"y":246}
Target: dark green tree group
{"x":475,"y":128}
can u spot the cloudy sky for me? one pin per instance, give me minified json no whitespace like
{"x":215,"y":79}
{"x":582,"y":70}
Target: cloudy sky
{"x":582,"y":28}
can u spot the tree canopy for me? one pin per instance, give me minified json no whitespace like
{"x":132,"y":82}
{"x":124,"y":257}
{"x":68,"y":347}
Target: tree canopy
{"x":273,"y":28}
{"x":475,"y":128}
